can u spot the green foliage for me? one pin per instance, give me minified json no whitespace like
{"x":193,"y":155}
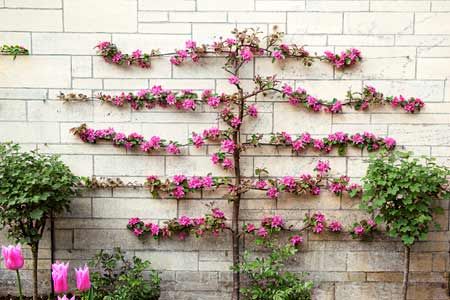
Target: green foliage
{"x":32,"y":185}
{"x":268,"y":280}
{"x":117,"y":278}
{"x":402,"y":191}
{"x":13,"y":50}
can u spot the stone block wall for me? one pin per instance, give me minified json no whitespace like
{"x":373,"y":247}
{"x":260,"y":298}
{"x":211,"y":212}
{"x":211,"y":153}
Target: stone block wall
{"x":406,"y":50}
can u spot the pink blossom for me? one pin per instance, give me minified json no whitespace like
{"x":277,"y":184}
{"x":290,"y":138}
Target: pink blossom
{"x":389,"y":142}
{"x":358,"y":230}
{"x":117,"y":57}
{"x":195,"y":183}
{"x":357,"y":139}
{"x":208,"y":182}
{"x":179,"y":179}
{"x":335,"y":226}
{"x":134,"y":221}
{"x":218,"y":214}
{"x":278,"y":55}
{"x":235,"y":122}
{"x":260,"y":184}
{"x":250,"y":228}
{"x":197,"y":140}
{"x":228,"y":146}
{"x":318,"y":228}
{"x":215,"y":158}
{"x":138,"y":232}
{"x":336,"y":107}
{"x":318,"y":144}
{"x":288,"y":181}
{"x":319,"y":217}
{"x":323,"y":167}
{"x":154,"y":229}
{"x":252,"y":111}
{"x":262,"y":232}
{"x":213,"y":101}
{"x":297,"y":145}
{"x":371,"y":223}
{"x":296,"y":239}
{"x":190,"y":44}
{"x":246,"y":54}
{"x":234,"y":80}
{"x":227,"y":163}
{"x":178,"y":192}
{"x":287,"y":89}
{"x":230,"y":41}
{"x":103,"y":45}
{"x":277,"y":222}
{"x":83,"y":279}
{"x":287,"y":137}
{"x":173,"y":149}
{"x":184,"y":221}
{"x":199,"y":221}
{"x":189,"y":104}
{"x":212,"y":133}
{"x":273,"y":193}
{"x":137,"y":54}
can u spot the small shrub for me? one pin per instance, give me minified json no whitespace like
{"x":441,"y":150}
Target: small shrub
{"x":267,"y":279}
{"x":116,"y":278}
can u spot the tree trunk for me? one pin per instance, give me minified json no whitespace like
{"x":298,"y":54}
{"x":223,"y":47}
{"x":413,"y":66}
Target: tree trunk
{"x":235,"y":220}
{"x":34,"y":251}
{"x":406,"y":272}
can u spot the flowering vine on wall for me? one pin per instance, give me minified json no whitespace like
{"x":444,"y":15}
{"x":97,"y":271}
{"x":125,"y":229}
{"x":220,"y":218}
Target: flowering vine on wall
{"x":234,"y":109}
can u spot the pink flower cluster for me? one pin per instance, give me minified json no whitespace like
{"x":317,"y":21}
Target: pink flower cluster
{"x":156,"y":96}
{"x":131,"y":141}
{"x":346,"y":58}
{"x":339,"y":139}
{"x":364,"y":229}
{"x":283,"y":51}
{"x":190,"y":51}
{"x":359,"y":101}
{"x":269,"y":226}
{"x":183,"y":226}
{"x":179,"y":186}
{"x":410,"y":105}
{"x":112,"y":54}
{"x":318,"y":223}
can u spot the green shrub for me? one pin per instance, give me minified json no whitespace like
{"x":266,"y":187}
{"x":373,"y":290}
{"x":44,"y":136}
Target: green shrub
{"x":32,"y":187}
{"x":114,"y":277}
{"x":267,"y":280}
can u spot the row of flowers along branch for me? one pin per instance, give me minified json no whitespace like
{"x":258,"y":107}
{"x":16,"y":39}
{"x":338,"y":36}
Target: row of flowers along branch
{"x":215,"y":222}
{"x":243,"y":46}
{"x":180,"y":186}
{"x":300,"y":144}
{"x":188,"y":100}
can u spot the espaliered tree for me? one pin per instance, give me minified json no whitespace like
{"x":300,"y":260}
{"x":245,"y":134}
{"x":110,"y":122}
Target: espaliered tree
{"x":234,"y":110}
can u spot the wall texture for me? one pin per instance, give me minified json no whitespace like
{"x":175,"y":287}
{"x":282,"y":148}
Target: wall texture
{"x":406,"y":49}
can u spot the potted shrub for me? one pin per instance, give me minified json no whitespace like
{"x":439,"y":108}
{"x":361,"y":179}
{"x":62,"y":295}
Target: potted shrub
{"x":32,"y":186}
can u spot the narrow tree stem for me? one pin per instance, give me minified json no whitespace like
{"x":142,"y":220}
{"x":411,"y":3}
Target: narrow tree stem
{"x":34,"y":251}
{"x":406,"y":272}
{"x":19,"y":285}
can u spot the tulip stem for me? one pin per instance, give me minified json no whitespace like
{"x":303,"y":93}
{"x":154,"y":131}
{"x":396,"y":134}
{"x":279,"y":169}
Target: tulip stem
{"x":19,"y":285}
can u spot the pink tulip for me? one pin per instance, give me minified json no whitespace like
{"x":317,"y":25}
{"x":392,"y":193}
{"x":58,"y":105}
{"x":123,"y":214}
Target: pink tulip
{"x":65,"y":298}
{"x":83,"y":279}
{"x":13,"y":257}
{"x":59,"y":276}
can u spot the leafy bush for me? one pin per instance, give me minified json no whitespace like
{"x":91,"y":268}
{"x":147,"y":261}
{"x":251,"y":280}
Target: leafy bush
{"x":32,"y":187}
{"x":117,"y":278}
{"x":267,"y":279}
{"x":401,"y":190}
